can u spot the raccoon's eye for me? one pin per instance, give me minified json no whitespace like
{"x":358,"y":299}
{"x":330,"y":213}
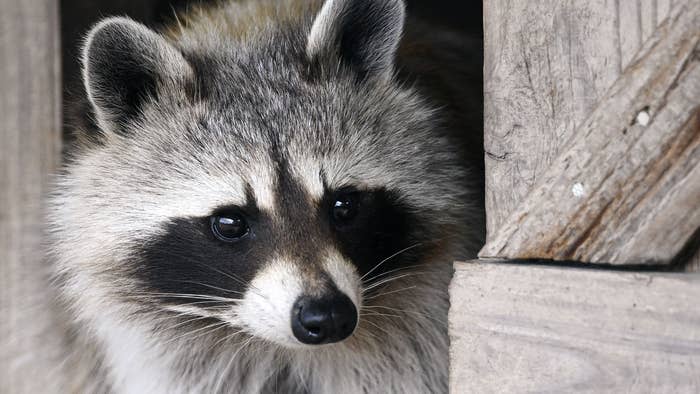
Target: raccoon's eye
{"x":345,"y":207}
{"x":229,"y":227}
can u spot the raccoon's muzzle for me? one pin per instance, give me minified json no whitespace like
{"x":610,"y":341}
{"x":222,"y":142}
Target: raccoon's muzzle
{"x":323,"y":320}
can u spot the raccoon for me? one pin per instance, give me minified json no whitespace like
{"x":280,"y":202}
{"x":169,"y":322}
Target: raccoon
{"x":262,"y":200}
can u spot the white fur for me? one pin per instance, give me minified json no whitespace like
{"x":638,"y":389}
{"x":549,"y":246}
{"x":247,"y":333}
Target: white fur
{"x":262,"y":183}
{"x":135,"y":365}
{"x":323,"y":27}
{"x":307,"y":171}
{"x":267,"y":305}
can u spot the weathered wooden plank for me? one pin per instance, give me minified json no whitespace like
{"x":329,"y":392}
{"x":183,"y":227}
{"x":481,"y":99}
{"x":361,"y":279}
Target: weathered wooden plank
{"x":525,"y":328}
{"x":648,"y":18}
{"x":629,"y":20}
{"x":30,"y":124}
{"x":546,"y":65}
{"x":626,"y":189}
{"x":663,"y":7}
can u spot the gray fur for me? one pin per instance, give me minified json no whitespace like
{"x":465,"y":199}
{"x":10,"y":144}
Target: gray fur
{"x":227,"y":106}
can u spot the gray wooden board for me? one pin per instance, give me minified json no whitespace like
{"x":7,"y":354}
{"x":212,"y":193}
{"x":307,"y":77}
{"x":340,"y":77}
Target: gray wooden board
{"x":546,"y":65}
{"x":30,"y":124}
{"x":526,"y":328}
{"x":623,"y":190}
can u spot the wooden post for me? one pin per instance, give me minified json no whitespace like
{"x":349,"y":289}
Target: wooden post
{"x":592,"y":140}
{"x":30,"y":130}
{"x":621,"y":185}
{"x":546,"y":64}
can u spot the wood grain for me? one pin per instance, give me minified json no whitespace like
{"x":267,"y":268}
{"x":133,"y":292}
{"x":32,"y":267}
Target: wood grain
{"x":623,"y":190}
{"x":525,"y":328}
{"x":546,"y":65}
{"x":30,"y":125}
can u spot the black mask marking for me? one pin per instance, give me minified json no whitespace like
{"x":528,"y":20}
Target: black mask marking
{"x":187,"y":258}
{"x":382,"y":226}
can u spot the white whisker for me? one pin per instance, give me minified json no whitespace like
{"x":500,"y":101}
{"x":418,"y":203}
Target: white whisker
{"x":390,"y":292}
{"x":391,"y":279}
{"x":182,"y":323}
{"x":375,"y":277}
{"x":380,"y":314}
{"x":406,"y":311}
{"x":378,"y":327}
{"x":226,"y":370}
{"x":154,"y":296}
{"x":211,"y":286}
{"x":224,"y":339}
{"x":389,"y":258}
{"x":218,"y":326}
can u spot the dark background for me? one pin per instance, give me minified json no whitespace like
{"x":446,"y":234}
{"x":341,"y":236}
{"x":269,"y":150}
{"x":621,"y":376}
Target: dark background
{"x":77,"y":16}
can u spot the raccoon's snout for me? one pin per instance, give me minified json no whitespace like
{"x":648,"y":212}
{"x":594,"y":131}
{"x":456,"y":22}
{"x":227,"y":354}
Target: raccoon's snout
{"x":317,"y":321}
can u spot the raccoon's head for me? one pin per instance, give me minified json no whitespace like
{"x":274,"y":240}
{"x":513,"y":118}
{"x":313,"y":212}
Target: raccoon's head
{"x":270,"y":185}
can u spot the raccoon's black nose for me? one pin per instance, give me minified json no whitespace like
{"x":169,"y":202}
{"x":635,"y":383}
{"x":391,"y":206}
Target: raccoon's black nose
{"x":323,"y":320}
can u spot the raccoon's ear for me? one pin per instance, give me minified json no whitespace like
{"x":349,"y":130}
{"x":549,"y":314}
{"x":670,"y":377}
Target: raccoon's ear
{"x":364,"y":34}
{"x":124,"y":64}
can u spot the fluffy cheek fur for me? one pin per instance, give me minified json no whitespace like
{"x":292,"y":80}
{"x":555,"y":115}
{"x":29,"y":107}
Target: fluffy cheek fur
{"x":266,"y":308}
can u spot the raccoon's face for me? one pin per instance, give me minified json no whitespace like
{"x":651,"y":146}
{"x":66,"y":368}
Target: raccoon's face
{"x":266,"y":189}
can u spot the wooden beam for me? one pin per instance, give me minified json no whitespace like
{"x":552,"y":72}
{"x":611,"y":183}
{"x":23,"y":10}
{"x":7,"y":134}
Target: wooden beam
{"x":626,"y":188}
{"x":526,"y":328}
{"x":30,"y":129}
{"x":546,"y":65}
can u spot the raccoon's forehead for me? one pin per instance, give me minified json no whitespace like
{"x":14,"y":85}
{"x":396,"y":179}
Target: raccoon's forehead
{"x":192,"y":176}
{"x":154,"y":180}
{"x":230,"y":146}
{"x":311,"y":131}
